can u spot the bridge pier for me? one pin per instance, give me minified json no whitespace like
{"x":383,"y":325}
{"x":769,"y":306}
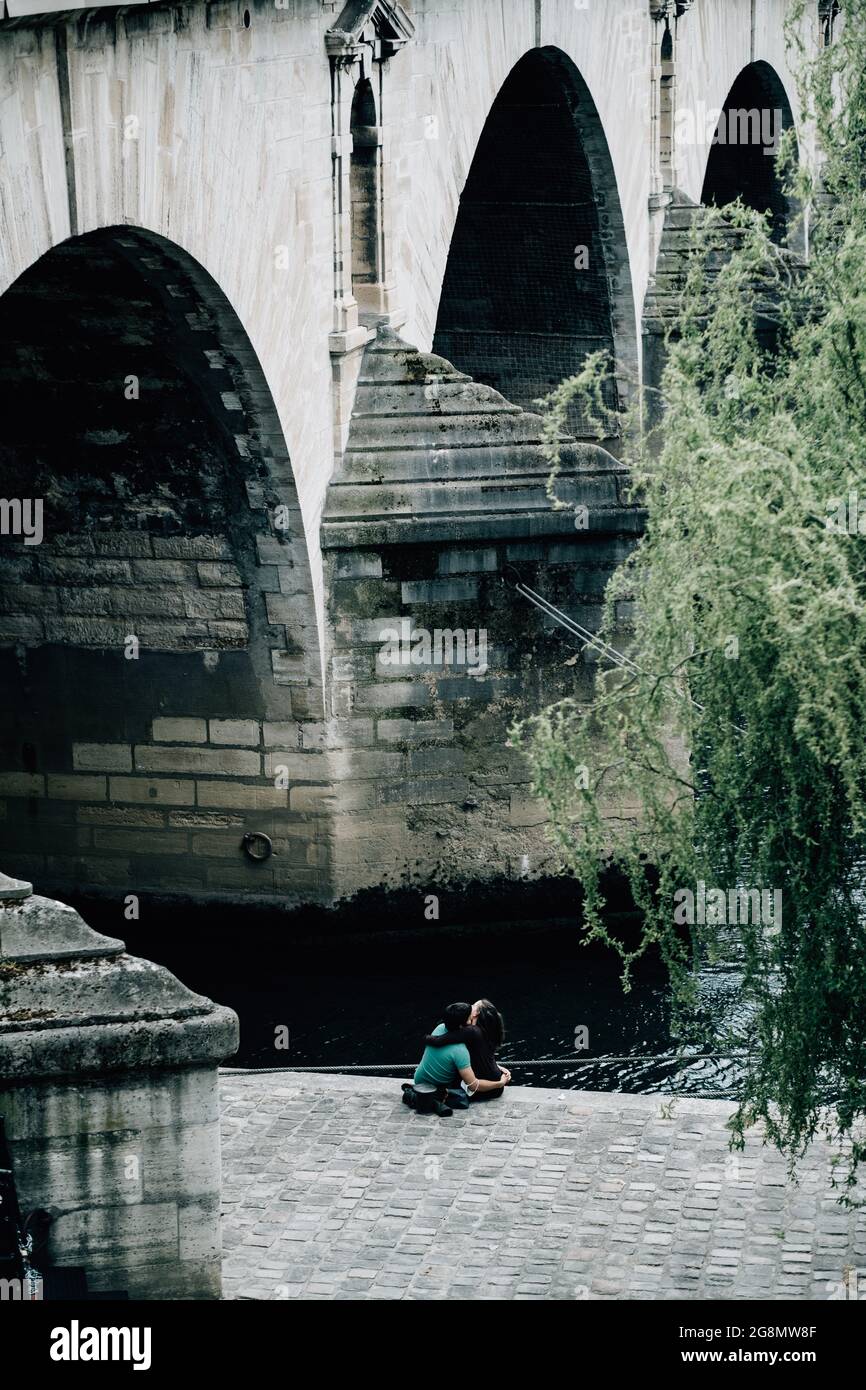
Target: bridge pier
{"x":206,"y":214}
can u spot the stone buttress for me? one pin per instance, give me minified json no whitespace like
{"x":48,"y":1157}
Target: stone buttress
{"x":440,"y":501}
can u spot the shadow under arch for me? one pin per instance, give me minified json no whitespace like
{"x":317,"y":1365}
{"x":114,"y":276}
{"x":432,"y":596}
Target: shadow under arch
{"x":136,"y":409}
{"x":538,"y":271}
{"x":743,"y":162}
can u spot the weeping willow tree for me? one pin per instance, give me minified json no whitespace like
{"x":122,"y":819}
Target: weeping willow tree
{"x":740,"y":726}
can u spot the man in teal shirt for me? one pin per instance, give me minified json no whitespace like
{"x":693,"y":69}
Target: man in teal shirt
{"x":442,"y":1069}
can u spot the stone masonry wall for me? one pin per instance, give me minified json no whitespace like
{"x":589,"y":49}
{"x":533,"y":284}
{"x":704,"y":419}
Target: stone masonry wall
{"x":149,"y":1223}
{"x":167,"y":615}
{"x":440,"y":504}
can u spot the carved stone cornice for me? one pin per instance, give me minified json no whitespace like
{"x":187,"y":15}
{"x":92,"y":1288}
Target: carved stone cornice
{"x":387,"y":23}
{"x":667,"y":9}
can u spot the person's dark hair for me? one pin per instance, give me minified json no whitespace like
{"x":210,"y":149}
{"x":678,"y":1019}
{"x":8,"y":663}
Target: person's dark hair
{"x":464,"y":1035}
{"x":456,"y":1015}
{"x":491,"y":1023}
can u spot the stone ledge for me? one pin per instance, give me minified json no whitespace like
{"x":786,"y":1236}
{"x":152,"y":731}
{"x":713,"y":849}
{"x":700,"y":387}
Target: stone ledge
{"x":322,"y":1082}
{"x":72,"y":1002}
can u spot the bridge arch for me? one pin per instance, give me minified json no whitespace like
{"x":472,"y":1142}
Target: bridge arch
{"x":538,"y":271}
{"x":166,"y":617}
{"x":742,"y":161}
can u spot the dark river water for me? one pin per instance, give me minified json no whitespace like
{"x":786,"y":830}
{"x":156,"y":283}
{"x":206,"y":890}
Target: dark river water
{"x":361,"y":990}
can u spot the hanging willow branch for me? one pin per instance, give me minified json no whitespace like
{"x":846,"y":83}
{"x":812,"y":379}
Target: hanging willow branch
{"x":753,"y":605}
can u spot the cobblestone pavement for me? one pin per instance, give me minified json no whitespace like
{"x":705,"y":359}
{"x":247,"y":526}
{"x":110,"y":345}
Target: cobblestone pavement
{"x":333,"y":1189}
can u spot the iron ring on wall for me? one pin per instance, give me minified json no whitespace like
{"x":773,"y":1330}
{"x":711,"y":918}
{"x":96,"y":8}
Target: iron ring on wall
{"x":256,"y":841}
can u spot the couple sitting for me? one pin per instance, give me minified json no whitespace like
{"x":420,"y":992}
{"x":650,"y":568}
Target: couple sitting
{"x":459,"y":1061}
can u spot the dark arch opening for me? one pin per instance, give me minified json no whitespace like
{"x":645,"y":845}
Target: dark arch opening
{"x":135,"y":409}
{"x":743,"y":162}
{"x":537,"y":274}
{"x":364,"y":184}
{"x":114,"y":384}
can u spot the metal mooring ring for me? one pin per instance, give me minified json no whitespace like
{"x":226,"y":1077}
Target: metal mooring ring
{"x":254,"y":838}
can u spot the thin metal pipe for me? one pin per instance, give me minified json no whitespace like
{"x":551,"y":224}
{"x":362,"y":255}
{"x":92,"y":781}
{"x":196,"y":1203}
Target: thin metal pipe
{"x":589,"y":639}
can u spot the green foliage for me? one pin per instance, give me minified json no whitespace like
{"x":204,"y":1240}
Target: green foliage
{"x":743,"y":737}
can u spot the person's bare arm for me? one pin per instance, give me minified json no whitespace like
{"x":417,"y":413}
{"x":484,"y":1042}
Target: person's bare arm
{"x":476,"y":1083}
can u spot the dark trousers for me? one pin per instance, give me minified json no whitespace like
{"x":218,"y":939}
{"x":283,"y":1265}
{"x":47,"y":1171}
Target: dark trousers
{"x":425,"y":1102}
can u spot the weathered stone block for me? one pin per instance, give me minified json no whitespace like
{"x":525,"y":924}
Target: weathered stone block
{"x":179,"y":635}
{"x":119,"y":815}
{"x":273,"y":551}
{"x":235,"y":731}
{"x":140,"y":841}
{"x":225,"y":634}
{"x":102,"y":757}
{"x":467,"y":561}
{"x":87,"y":632}
{"x":350,"y":764}
{"x":204,"y":820}
{"x":440,"y":591}
{"x":21,"y":784}
{"x":214,"y":603}
{"x":349,"y":733}
{"x":288,"y":667}
{"x":415,"y":731}
{"x":355,"y":565}
{"x":82,"y":601}
{"x":302,"y":767}
{"x":162,"y":791}
{"x":164,"y":572}
{"x":179,"y":730}
{"x":219,"y":844}
{"x":392,"y":695}
{"x":230,"y":762}
{"x":525,"y":810}
{"x":348,"y":797}
{"x":424,"y":791}
{"x":218,"y":576}
{"x":283,"y":734}
{"x":362,"y":630}
{"x":191,"y":548}
{"x":23,"y":629}
{"x":30,"y":598}
{"x":80,"y":571}
{"x":76,"y":788}
{"x":287,"y":608}
{"x":242,"y":797}
{"x":422,"y":760}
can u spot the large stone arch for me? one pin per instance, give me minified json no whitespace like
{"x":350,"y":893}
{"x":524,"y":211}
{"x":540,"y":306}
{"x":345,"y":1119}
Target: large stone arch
{"x":136,"y":411}
{"x":740,"y":163}
{"x":538,"y":269}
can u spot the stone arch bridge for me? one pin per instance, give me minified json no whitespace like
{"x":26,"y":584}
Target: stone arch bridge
{"x":279,"y":285}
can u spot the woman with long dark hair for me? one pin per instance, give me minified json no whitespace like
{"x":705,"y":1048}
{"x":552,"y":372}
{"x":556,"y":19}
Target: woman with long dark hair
{"x":484,"y":1034}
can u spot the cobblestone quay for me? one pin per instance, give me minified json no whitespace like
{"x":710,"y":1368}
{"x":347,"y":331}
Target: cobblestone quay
{"x":333,"y":1189}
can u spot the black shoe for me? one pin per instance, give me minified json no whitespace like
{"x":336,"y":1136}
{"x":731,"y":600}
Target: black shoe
{"x":442,"y":1110}
{"x":409,"y":1096}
